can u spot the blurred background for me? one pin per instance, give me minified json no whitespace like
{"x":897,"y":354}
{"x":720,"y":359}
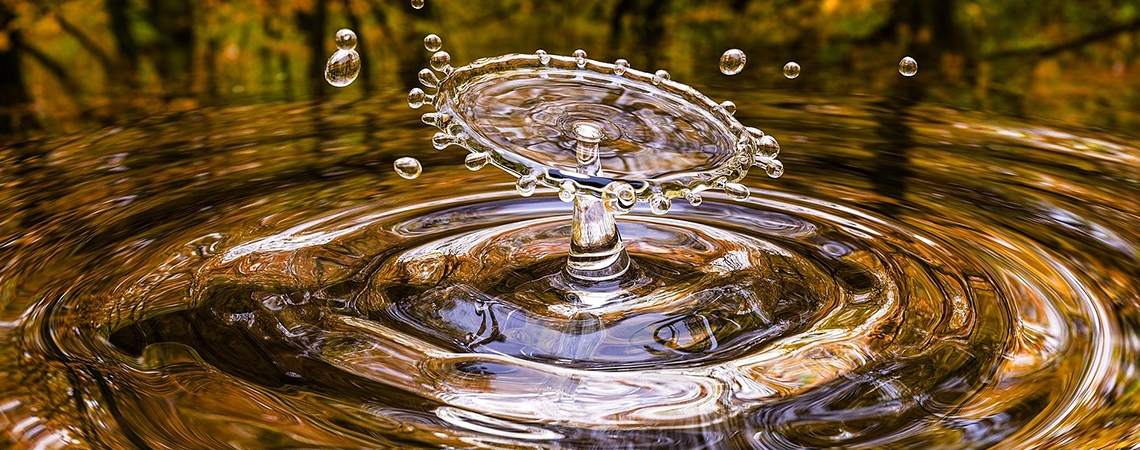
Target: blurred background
{"x":71,"y":65}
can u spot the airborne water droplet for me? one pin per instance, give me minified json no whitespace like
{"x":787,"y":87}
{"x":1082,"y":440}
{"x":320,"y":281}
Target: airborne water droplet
{"x":408,"y":167}
{"x":659,"y":76}
{"x":543,"y":57}
{"x":526,"y":184}
{"x":428,"y":78}
{"x":580,"y":58}
{"x":732,"y":61}
{"x":417,"y":4}
{"x":342,"y":68}
{"x":475,"y":161}
{"x":345,"y":39}
{"x":767,"y":147}
{"x":791,"y":70}
{"x":908,"y":67}
{"x":433,"y":43}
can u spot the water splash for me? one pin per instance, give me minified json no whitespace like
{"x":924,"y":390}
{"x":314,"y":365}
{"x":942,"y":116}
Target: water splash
{"x":732,"y":61}
{"x":908,"y":67}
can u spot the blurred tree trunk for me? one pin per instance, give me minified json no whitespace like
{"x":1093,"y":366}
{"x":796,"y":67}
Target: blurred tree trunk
{"x":14,"y":97}
{"x":125,"y":45}
{"x":174,"y":22}
{"x":312,"y":24}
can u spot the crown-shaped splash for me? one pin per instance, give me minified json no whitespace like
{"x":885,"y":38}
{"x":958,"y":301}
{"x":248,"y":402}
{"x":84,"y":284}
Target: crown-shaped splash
{"x":605,"y":136}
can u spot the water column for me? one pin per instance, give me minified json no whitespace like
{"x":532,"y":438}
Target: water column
{"x":596,"y":250}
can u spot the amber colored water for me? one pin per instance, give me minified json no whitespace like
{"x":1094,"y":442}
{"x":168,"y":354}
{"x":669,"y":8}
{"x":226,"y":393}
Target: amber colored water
{"x":260,"y":277}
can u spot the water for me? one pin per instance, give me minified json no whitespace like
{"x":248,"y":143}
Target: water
{"x":408,"y":167}
{"x":241,"y":277}
{"x":732,"y":61}
{"x":433,"y":43}
{"x":791,"y":70}
{"x":908,"y":67}
{"x":342,"y":67}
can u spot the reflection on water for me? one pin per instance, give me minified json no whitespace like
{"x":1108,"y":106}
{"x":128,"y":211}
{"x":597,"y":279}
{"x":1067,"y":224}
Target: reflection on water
{"x":261,"y":277}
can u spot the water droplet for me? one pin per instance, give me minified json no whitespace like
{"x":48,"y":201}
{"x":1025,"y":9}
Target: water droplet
{"x":408,"y":167}
{"x":416,"y":98}
{"x":342,"y":68}
{"x":775,"y":168}
{"x":619,"y":197}
{"x":433,"y":43}
{"x":475,"y":161}
{"x":566,"y":191}
{"x":659,"y":204}
{"x":418,"y":4}
{"x":620,"y":66}
{"x":767,"y":147}
{"x":732,"y":61}
{"x":659,"y":76}
{"x":526,"y":184}
{"x":345,"y":39}
{"x":736,"y":191}
{"x":580,"y":58}
{"x":791,"y":70}
{"x":729,"y":107}
{"x":428,"y":78}
{"x":908,"y":67}
{"x":441,"y":62}
{"x":543,"y":57}
{"x":693,"y":198}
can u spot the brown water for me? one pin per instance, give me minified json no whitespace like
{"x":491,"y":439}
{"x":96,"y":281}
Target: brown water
{"x":260,"y":277}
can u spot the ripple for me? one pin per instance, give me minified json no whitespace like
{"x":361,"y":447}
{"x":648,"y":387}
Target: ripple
{"x":260,"y":305}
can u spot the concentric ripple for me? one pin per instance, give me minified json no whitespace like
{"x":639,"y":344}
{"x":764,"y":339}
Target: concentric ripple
{"x":288,"y":290}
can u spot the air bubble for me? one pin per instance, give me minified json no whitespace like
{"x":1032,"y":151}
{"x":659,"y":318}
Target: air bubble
{"x":543,"y":57}
{"x":729,"y":107}
{"x":345,"y":39}
{"x":736,"y":191}
{"x":441,"y":62}
{"x":659,"y":76}
{"x":580,"y":58}
{"x":566,"y":191}
{"x":416,"y":98}
{"x":791,"y":70}
{"x":433,"y":43}
{"x":475,"y":161}
{"x":659,"y":204}
{"x":775,"y":168}
{"x":408,"y":167}
{"x":908,"y":67}
{"x":526,"y":184}
{"x":732,"y":61}
{"x":620,"y":66}
{"x":417,"y":4}
{"x":619,"y":197}
{"x":342,"y":68}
